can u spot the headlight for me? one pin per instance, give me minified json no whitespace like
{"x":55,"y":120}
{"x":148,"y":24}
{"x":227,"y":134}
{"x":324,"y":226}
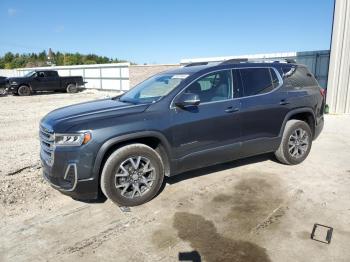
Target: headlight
{"x":14,"y":83}
{"x":72,"y":139}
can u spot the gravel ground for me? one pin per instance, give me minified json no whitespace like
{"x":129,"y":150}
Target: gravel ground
{"x":19,"y":124}
{"x":20,"y":167}
{"x":249,"y":210}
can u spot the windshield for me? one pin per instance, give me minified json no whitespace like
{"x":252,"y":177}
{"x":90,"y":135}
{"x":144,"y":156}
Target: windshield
{"x":154,"y":88}
{"x":29,"y":74}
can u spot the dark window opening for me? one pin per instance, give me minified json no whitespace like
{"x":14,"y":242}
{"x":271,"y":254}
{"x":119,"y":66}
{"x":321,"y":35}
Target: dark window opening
{"x":258,"y":80}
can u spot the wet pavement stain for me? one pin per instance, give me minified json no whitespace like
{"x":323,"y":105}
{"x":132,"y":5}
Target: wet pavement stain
{"x":210,"y":245}
{"x":253,"y":203}
{"x":164,"y":238}
{"x":304,"y":235}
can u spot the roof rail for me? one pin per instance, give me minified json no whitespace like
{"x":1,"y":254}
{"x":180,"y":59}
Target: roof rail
{"x":290,"y":61}
{"x":281,"y":60}
{"x":244,"y":60}
{"x":234,"y":61}
{"x":196,"y":64}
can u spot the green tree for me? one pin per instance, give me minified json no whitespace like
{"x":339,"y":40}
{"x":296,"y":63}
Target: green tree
{"x":10,"y":60}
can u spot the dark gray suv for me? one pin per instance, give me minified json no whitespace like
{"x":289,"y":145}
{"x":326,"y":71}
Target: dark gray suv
{"x":175,"y":121}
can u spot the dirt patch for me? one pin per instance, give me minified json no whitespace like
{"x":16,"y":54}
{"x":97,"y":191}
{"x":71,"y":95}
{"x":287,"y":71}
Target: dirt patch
{"x":97,"y":240}
{"x":25,"y":193}
{"x":210,"y":245}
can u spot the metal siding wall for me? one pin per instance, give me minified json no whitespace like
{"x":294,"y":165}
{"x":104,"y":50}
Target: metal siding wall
{"x":338,"y":94}
{"x":317,"y":62}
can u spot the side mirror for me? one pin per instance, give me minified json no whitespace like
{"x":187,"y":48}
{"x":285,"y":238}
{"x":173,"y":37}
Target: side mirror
{"x":188,"y":99}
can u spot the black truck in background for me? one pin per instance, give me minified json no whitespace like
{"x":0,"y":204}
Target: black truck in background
{"x":3,"y":85}
{"x":43,"y":80}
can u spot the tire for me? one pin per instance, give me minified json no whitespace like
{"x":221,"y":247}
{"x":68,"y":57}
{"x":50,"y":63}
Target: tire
{"x":296,"y":143}
{"x":3,"y":92}
{"x":24,"y":91}
{"x":72,"y":88}
{"x":119,"y":171}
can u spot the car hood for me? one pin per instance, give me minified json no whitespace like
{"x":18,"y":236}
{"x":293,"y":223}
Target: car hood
{"x":15,"y":78}
{"x":60,"y":120}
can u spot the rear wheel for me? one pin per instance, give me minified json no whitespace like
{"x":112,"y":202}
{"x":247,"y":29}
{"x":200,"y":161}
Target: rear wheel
{"x":296,"y":143}
{"x":132,"y":175}
{"x":72,"y":88}
{"x":24,"y":91}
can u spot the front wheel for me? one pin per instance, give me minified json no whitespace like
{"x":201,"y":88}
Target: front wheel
{"x":132,"y":175}
{"x":24,"y":91}
{"x":3,"y":92}
{"x":72,"y":88}
{"x":296,"y":143}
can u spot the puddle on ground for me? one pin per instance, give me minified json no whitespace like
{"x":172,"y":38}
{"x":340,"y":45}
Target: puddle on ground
{"x":164,"y":238}
{"x":210,"y":245}
{"x":254,"y":202}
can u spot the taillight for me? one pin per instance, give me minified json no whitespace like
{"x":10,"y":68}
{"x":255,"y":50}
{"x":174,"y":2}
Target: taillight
{"x":323,"y":92}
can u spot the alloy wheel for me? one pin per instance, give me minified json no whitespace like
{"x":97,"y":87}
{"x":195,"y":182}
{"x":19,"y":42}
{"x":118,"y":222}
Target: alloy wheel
{"x":135,"y":176}
{"x":298,"y":143}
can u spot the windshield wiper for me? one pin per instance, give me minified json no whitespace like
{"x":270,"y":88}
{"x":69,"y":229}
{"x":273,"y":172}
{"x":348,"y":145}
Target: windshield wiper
{"x":130,"y":101}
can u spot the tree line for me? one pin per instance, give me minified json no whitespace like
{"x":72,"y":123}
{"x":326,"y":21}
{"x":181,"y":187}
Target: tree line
{"x":11,"y":60}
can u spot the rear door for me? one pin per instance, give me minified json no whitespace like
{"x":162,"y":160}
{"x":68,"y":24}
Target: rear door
{"x":263,"y":108}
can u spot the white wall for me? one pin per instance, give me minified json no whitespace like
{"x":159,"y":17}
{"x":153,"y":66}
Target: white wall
{"x":100,"y":76}
{"x":117,"y":76}
{"x":338,"y":93}
{"x":8,"y":72}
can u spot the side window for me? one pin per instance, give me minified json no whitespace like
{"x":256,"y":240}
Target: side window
{"x":41,"y":74}
{"x":257,"y":81}
{"x":301,"y":77}
{"x":49,"y":74}
{"x":212,"y":87}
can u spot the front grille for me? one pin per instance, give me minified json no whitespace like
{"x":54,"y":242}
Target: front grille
{"x":47,"y":145}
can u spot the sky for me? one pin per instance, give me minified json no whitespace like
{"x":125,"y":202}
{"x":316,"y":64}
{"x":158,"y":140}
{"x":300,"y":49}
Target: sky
{"x":164,"y":31}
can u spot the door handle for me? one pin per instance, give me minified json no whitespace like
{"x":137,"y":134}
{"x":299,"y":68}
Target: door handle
{"x":231,"y":109}
{"x":284,"y":102}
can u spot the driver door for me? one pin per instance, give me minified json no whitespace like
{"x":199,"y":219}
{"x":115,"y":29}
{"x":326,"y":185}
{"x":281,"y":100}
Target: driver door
{"x":45,"y":81}
{"x":210,"y":132}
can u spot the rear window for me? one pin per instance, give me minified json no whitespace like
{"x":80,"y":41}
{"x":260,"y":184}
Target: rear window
{"x":258,"y":80}
{"x":51,"y":73}
{"x":301,"y":77}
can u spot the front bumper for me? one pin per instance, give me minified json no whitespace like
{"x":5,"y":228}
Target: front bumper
{"x":84,"y":189}
{"x":70,"y":172}
{"x":11,"y":88}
